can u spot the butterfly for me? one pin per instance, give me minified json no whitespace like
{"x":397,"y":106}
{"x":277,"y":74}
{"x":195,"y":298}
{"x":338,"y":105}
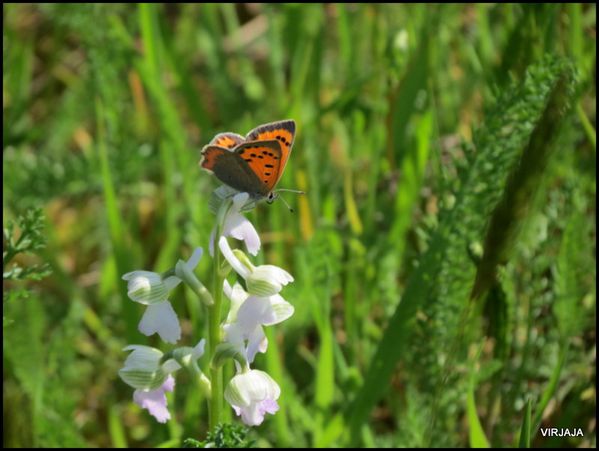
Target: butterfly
{"x":253,"y":164}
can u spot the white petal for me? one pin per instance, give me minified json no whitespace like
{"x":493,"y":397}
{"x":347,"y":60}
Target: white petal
{"x":234,"y":335}
{"x":198,"y":350}
{"x":171,"y":282}
{"x":267,"y":280}
{"x":278,"y":274}
{"x":224,"y":192}
{"x":255,"y":413}
{"x":227,"y":288}
{"x":142,"y":357}
{"x":281,"y":310}
{"x":235,"y":392}
{"x":162,"y":319}
{"x":142,"y":369}
{"x":169,"y":384}
{"x":274,"y":391}
{"x":252,"y":416}
{"x":253,"y":312}
{"x":143,"y":380}
{"x":147,"y":274}
{"x":155,"y":400}
{"x":257,"y":385}
{"x":146,"y":287}
{"x":240,"y":228}
{"x":211,"y":242}
{"x":195,"y":258}
{"x":269,"y":406}
{"x":257,"y":341}
{"x":239,"y":201}
{"x":236,"y":338}
{"x":239,"y":267}
{"x":170,"y":366}
{"x":237,"y":295}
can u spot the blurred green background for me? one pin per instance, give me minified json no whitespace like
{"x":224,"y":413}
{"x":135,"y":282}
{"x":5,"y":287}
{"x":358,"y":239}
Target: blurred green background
{"x":438,"y":145}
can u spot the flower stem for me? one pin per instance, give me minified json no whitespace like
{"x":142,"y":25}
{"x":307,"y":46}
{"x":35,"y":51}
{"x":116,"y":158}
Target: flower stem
{"x":214,"y":317}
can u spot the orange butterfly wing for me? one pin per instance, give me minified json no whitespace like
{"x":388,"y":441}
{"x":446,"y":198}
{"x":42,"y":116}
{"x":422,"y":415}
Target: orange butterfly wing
{"x":227,"y":140}
{"x":264,"y":158}
{"x":231,"y":169}
{"x":281,"y":131}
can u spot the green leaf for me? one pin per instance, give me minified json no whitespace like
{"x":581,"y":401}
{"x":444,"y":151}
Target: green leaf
{"x":570,"y":271}
{"x":476,"y":434}
{"x":525,"y":430}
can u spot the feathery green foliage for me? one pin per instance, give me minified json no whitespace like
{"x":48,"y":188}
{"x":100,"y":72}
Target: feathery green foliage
{"x":445,"y":275}
{"x":224,"y":436}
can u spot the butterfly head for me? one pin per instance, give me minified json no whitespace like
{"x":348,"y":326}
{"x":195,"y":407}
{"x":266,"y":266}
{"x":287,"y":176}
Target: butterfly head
{"x":274,"y":195}
{"x":271,"y":197}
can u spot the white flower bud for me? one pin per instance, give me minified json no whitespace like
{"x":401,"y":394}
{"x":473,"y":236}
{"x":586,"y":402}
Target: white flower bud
{"x":252,"y":394}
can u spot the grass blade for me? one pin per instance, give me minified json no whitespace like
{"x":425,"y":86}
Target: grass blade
{"x":524,"y":441}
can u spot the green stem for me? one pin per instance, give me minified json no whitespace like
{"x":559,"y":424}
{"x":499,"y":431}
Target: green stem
{"x":9,"y":256}
{"x":203,"y":382}
{"x":588,"y":127}
{"x":216,"y":373}
{"x":14,"y":250}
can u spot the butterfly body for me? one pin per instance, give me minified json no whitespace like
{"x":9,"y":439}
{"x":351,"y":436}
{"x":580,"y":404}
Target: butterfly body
{"x":253,"y":164}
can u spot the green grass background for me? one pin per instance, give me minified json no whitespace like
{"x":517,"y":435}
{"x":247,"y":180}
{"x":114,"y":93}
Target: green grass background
{"x":445,"y":150}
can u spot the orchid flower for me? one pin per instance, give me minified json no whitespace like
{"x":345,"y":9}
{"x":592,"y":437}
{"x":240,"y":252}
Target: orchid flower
{"x":263,"y":280}
{"x":152,"y":289}
{"x":253,"y":394}
{"x":151,"y":378}
{"x":247,"y":316}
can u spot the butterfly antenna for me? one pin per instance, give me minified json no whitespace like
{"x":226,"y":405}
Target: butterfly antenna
{"x":291,"y":210}
{"x":290,"y":191}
